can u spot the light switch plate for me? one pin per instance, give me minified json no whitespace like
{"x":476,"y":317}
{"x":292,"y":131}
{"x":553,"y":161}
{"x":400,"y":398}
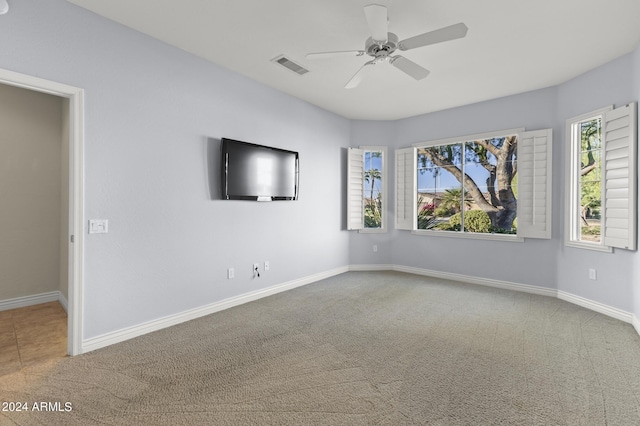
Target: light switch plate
{"x":98,"y":226}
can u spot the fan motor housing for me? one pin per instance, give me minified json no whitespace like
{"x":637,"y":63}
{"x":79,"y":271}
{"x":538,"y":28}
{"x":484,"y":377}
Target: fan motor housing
{"x":377,"y":49}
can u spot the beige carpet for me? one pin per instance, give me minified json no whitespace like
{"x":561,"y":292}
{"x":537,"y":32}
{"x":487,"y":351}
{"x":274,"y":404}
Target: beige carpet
{"x":356,"y":349}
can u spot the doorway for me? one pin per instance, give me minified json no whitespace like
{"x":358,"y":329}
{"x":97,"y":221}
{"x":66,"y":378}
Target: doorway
{"x":72,"y":248}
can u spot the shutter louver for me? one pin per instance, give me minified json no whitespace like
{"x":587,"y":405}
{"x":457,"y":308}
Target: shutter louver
{"x":620,"y":169}
{"x":405,"y":190}
{"x":534,"y":184}
{"x":355,"y":189}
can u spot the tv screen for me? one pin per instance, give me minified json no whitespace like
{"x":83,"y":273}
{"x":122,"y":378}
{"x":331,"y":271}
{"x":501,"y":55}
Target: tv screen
{"x":258,"y":172}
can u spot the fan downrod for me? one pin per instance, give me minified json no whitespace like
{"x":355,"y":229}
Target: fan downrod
{"x":379,"y":50}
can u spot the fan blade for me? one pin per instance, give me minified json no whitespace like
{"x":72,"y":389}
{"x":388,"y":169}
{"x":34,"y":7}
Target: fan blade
{"x":377,"y":20}
{"x":339,"y":53}
{"x":409,"y":67}
{"x":451,"y":32}
{"x":358,"y":76}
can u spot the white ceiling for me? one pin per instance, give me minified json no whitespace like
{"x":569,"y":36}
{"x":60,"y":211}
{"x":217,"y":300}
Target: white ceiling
{"x":512,"y":46}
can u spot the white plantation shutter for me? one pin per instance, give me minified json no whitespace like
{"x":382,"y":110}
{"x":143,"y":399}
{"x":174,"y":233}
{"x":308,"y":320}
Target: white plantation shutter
{"x":406,"y":169}
{"x":355,"y":188}
{"x":620,"y":169}
{"x":534,"y":184}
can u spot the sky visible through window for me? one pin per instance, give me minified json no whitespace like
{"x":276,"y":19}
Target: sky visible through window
{"x":435,"y":179}
{"x":487,"y":167}
{"x":373,"y":163}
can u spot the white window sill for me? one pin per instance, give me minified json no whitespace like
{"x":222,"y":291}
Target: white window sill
{"x":589,"y":246}
{"x":471,"y":235}
{"x":372,"y":231}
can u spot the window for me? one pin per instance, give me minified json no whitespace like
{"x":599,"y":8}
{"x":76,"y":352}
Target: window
{"x":477,"y":186}
{"x":601,"y":176}
{"x":366,"y":205}
{"x":585,"y":156}
{"x":468,"y":186}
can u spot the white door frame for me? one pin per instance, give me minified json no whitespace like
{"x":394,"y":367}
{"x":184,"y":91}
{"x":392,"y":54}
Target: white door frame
{"x":76,"y":194}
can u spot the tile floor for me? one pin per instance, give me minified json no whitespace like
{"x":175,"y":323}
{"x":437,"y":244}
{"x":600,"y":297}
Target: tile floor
{"x":32,"y":335}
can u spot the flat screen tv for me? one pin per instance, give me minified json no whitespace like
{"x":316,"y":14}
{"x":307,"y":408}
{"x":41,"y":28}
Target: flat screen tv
{"x":257,"y":172}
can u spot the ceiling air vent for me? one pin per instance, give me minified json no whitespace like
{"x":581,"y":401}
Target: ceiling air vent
{"x":290,"y":65}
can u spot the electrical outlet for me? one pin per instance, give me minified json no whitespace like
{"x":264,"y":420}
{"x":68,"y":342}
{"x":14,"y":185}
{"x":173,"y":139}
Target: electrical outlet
{"x":266,"y":265}
{"x":231,"y":273}
{"x":375,"y":248}
{"x":98,"y":226}
{"x":592,"y":274}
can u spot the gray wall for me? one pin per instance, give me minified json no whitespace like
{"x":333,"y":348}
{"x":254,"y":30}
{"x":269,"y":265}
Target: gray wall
{"x":485,"y":259}
{"x":606,"y":85}
{"x":64,"y":202}
{"x":150,"y":111}
{"x":545,"y":263}
{"x":375,"y":133}
{"x":30,"y":192}
{"x":635,"y":276}
{"x":505,"y":261}
{"x":153,"y":113}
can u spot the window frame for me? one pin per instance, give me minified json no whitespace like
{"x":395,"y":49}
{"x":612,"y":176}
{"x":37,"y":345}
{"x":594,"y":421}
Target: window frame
{"x":383,"y":198}
{"x":356,"y":189}
{"x":534,"y":215}
{"x":462,"y":234}
{"x":619,"y":208}
{"x":572,"y":180}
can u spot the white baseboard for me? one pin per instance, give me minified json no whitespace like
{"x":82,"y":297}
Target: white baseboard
{"x":525,"y":288}
{"x":63,"y":301}
{"x":636,"y":323}
{"x":370,"y":268}
{"x":107,"y":339}
{"x":111,"y":338}
{"x":597,"y":307}
{"x":36,"y":299}
{"x":543,"y":291}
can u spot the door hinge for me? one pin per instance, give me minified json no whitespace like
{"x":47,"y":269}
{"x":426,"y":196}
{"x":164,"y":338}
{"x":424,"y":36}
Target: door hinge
{"x":72,"y":239}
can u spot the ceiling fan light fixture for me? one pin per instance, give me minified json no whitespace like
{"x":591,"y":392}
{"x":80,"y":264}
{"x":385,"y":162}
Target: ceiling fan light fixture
{"x":382,"y":44}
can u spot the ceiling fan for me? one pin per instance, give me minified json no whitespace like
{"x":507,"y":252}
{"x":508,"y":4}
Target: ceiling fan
{"x":382,"y":44}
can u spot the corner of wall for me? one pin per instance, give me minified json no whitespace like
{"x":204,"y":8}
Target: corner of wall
{"x":635,"y":278}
